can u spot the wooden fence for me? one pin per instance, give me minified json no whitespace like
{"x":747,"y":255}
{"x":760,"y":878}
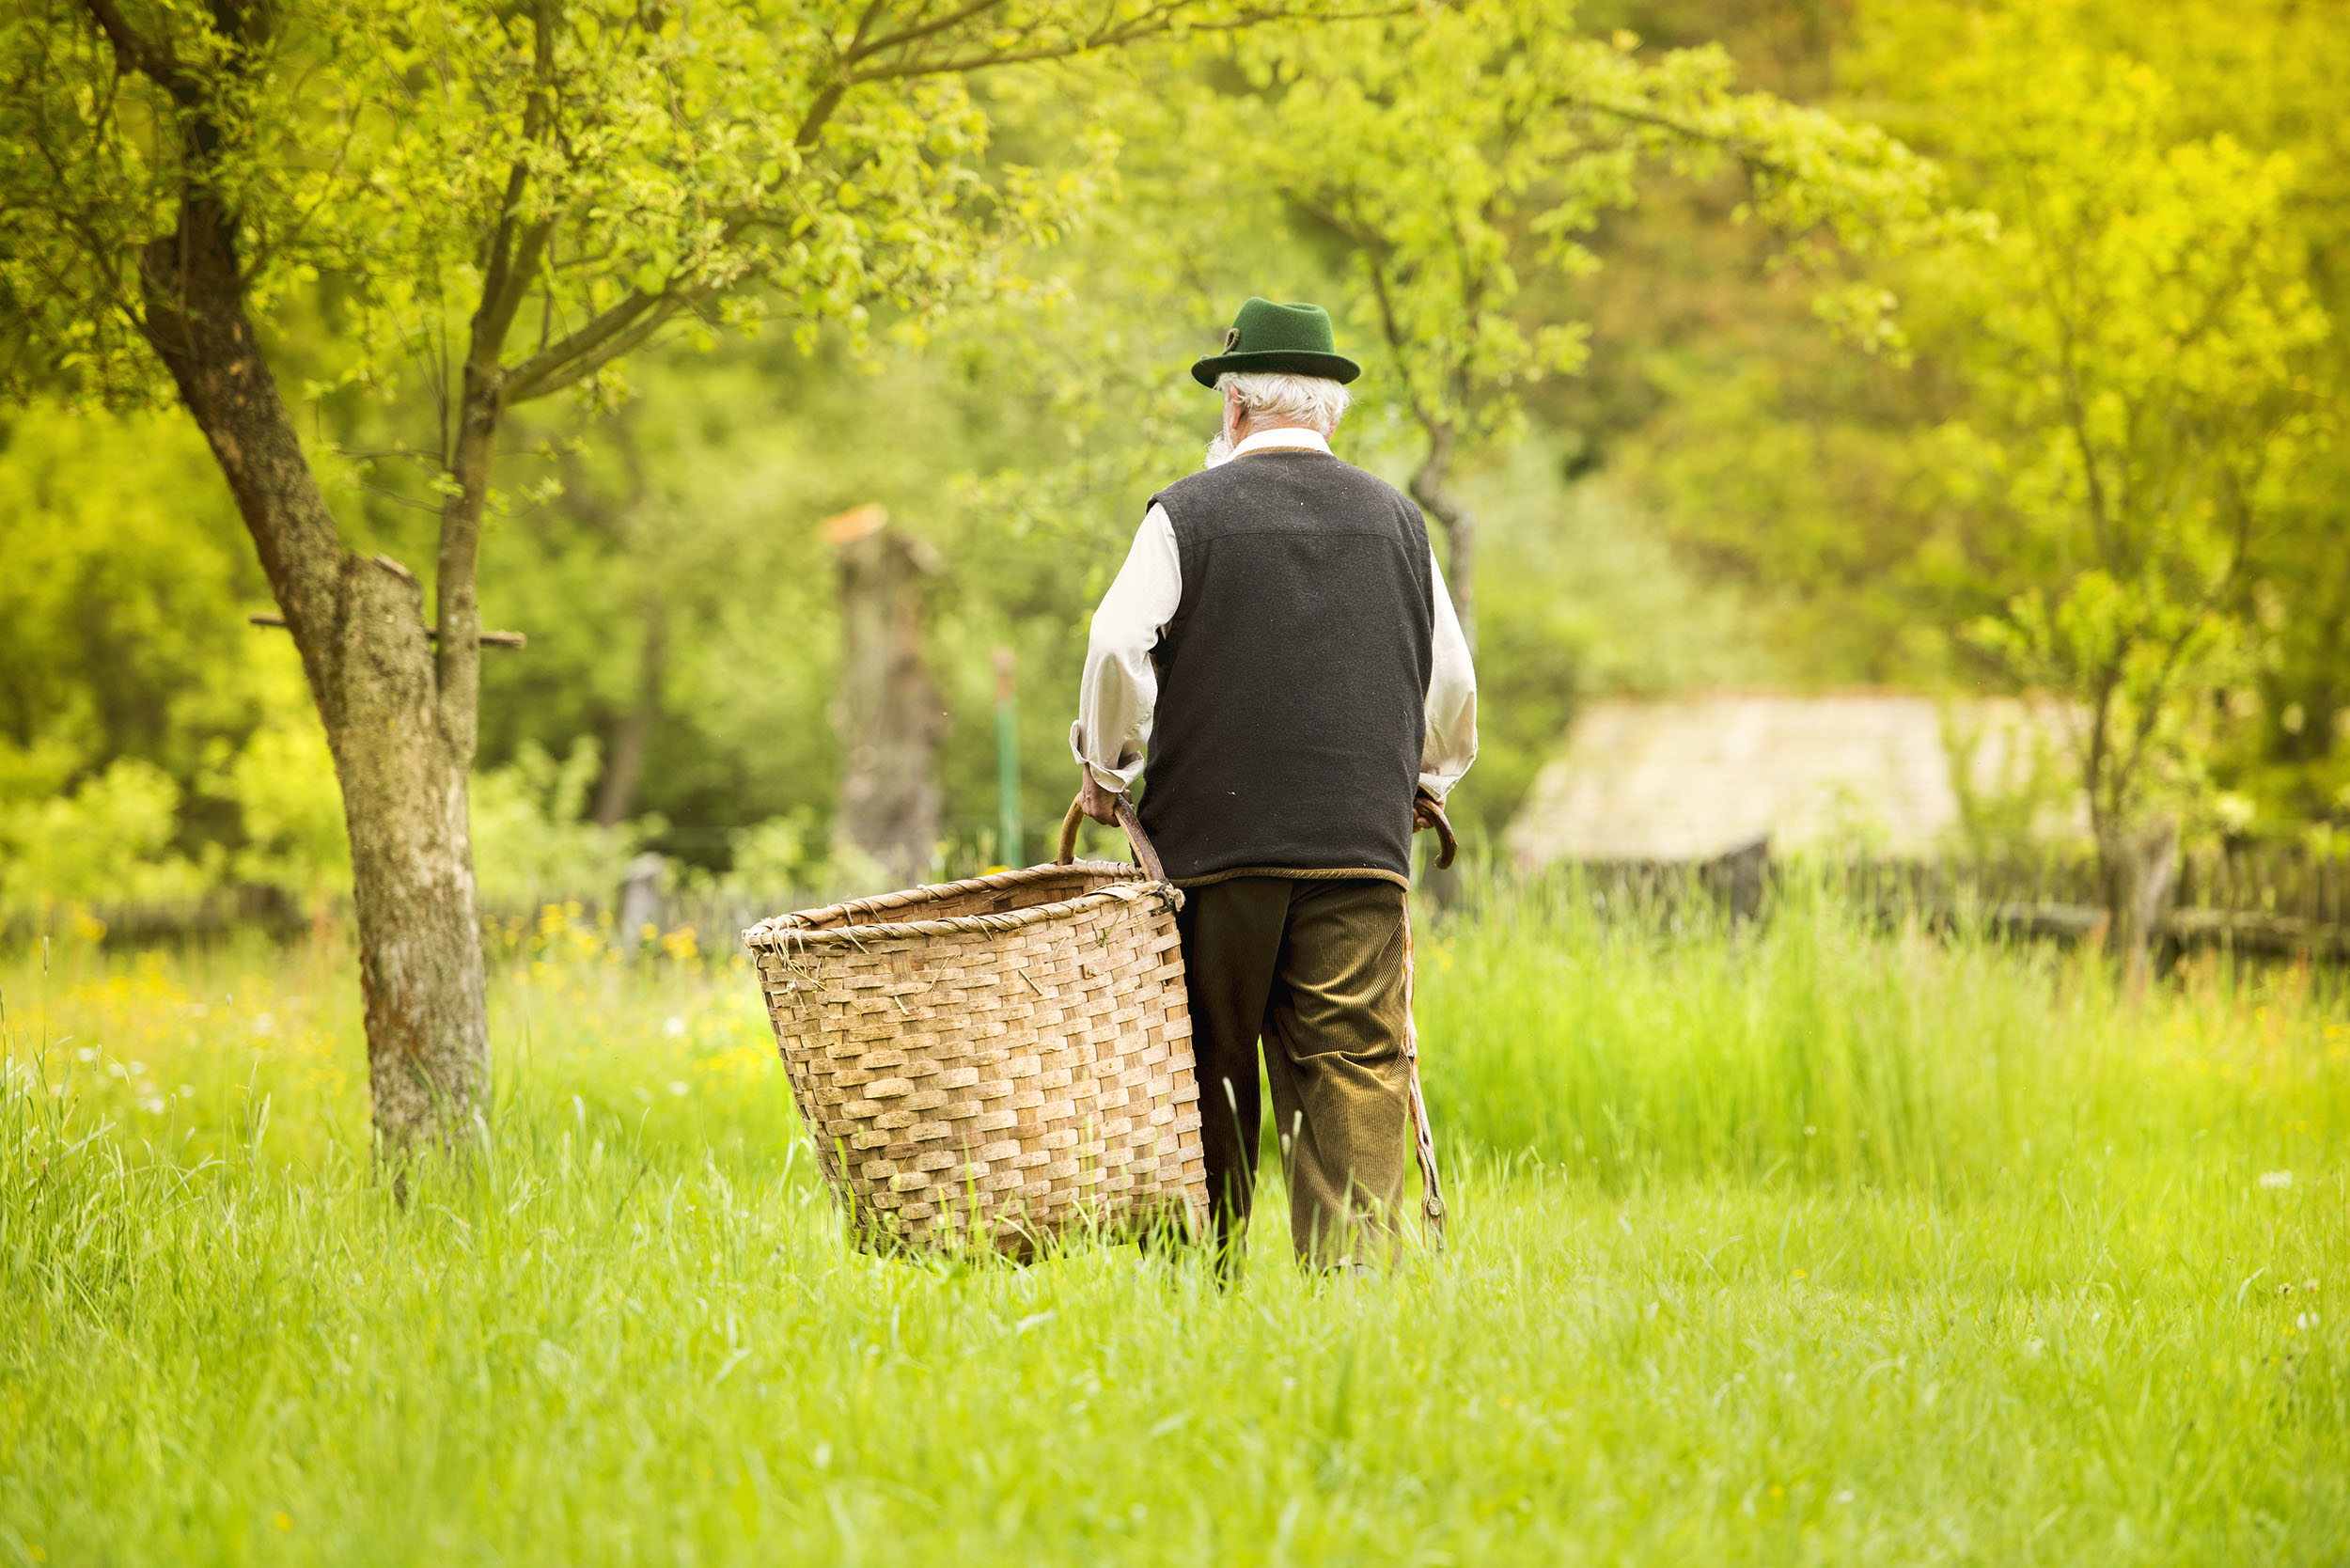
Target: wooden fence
{"x":2279,"y":900}
{"x":2282,"y":881}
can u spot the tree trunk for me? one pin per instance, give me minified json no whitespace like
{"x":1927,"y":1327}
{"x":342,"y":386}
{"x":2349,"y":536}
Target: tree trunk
{"x":615,"y":795}
{"x":2138,"y":865}
{"x":1460,"y":529}
{"x":887,"y":710}
{"x":359,"y":626}
{"x":420,"y":971}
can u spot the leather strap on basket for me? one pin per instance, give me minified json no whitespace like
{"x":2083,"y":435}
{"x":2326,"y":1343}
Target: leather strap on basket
{"x":1145,"y":857}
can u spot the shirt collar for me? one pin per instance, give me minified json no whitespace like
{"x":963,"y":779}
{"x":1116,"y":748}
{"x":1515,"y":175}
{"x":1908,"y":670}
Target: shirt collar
{"x":1286,"y":438}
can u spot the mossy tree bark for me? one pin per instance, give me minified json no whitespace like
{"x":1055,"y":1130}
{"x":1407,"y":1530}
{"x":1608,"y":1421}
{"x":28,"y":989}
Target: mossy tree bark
{"x":402,"y":734}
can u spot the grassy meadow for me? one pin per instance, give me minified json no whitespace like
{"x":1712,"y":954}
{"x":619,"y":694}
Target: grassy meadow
{"x":1807,"y":1243}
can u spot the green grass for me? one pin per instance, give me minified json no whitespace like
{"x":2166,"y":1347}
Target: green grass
{"x":1809,"y":1245}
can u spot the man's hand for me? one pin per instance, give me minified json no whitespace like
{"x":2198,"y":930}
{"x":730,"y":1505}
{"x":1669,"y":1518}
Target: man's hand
{"x":1096,"y":802}
{"x":1426,"y":813}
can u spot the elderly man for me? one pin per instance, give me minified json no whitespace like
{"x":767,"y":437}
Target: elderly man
{"x":1279,"y":663}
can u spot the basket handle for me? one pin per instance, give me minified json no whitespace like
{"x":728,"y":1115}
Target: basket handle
{"x":1127,"y":819}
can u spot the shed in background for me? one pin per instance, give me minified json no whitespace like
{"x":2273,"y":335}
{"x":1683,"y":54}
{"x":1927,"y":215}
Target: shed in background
{"x":1703,"y":776}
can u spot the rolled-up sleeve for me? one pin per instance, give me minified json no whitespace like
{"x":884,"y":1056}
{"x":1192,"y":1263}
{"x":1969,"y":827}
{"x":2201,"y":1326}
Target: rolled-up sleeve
{"x":1451,"y":743}
{"x":1120,"y":692}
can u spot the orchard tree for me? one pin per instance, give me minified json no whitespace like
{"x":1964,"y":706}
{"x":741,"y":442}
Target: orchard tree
{"x":1462,"y":154}
{"x":2139,"y":376}
{"x":510,"y":198}
{"x":2232,"y":79}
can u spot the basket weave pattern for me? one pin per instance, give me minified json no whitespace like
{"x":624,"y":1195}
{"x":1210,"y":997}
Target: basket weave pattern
{"x":994,"y":1060}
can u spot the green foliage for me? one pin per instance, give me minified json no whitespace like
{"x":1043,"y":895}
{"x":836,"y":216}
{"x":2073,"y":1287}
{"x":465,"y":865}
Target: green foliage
{"x":2138,"y":377}
{"x":2145,"y":665}
{"x":680,"y":580}
{"x":783,"y":853}
{"x":1813,"y":484}
{"x":636,"y":167}
{"x":152,"y":744}
{"x":121,"y":608}
{"x":403,"y":185}
{"x":2016,"y":779}
{"x":2143,"y":326}
{"x":1582,"y":597}
{"x":108,"y":840}
{"x":1464,"y":154}
{"x":529,"y":839}
{"x":1851,"y":518}
{"x":289,"y":811}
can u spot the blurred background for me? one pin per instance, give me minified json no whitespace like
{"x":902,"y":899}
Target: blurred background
{"x":1949,"y":553}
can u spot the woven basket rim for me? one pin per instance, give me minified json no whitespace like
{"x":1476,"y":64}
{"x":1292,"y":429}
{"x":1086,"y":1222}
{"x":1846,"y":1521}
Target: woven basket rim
{"x":800,"y":929}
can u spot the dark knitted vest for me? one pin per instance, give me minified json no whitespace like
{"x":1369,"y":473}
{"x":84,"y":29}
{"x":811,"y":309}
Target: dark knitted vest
{"x":1293,"y":679}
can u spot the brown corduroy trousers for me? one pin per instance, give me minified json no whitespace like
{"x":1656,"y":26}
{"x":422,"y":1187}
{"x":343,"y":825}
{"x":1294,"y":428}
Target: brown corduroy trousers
{"x":1315,"y":968}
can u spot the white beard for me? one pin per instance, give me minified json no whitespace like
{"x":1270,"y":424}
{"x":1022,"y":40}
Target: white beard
{"x":1219,"y":451}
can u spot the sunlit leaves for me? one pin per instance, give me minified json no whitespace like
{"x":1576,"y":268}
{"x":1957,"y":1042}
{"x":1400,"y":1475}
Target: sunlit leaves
{"x":1461,"y":152}
{"x":2143,"y":327}
{"x":667,"y":164}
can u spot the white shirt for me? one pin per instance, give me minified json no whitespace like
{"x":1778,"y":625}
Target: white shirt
{"x":1120,"y":693}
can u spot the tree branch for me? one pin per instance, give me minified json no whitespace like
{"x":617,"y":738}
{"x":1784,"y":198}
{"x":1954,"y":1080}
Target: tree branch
{"x":1152,"y":24}
{"x":512,"y":254}
{"x":510,"y":261}
{"x":630,"y":322}
{"x":1322,"y":212}
{"x":148,"y":58}
{"x":489,"y":639}
{"x":857,"y":51}
{"x":620,"y":329}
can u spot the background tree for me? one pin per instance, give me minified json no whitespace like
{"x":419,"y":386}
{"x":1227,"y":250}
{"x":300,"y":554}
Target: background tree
{"x":1463,"y":157}
{"x":508,"y":201}
{"x":1720,"y":493}
{"x":1865,"y":510}
{"x":2264,"y":78}
{"x":2138,"y":380}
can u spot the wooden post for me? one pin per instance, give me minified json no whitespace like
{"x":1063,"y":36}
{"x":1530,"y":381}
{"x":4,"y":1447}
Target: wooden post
{"x":888,"y":711}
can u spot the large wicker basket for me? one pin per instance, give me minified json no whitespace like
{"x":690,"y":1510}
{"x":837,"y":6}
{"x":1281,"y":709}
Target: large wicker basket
{"x":996,"y":1060}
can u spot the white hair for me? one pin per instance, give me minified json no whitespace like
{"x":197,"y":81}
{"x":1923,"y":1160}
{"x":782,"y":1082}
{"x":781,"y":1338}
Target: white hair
{"x":1276,"y":394}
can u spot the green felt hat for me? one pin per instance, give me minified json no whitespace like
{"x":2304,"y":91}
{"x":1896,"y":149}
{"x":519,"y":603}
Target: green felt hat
{"x":1268,"y":336}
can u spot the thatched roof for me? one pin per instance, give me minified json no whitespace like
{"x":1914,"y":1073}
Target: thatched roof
{"x":1697,"y":777}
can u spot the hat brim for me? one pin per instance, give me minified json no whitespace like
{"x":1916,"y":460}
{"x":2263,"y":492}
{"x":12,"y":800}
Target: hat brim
{"x":1297,"y":362}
